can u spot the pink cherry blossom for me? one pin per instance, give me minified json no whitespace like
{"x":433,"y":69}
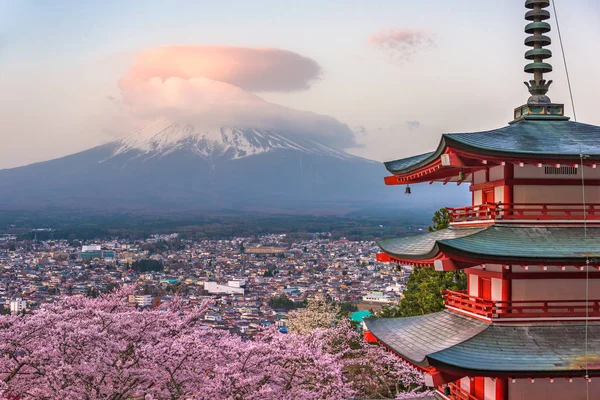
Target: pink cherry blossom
{"x":83,"y":348}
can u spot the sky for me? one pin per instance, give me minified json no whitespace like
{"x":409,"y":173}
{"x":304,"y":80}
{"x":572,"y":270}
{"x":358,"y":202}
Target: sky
{"x":383,"y":78}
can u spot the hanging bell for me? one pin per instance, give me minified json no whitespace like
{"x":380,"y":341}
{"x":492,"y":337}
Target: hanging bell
{"x":407,"y":190}
{"x":456,"y":278}
{"x":447,"y":390}
{"x":462,"y":176}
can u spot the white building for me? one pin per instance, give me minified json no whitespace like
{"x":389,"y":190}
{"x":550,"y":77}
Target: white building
{"x":215,"y":288}
{"x":378,"y":297}
{"x":142,"y":300}
{"x":237,"y":283}
{"x":91,"y":247}
{"x":17,"y":305}
{"x":213,"y":317}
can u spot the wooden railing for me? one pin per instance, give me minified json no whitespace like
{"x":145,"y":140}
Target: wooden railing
{"x":522,"y":308}
{"x":457,"y":393}
{"x":525,"y":211}
{"x":460,"y":299}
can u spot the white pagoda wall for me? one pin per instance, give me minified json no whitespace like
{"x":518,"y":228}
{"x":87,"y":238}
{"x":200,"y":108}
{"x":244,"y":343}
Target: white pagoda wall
{"x":534,"y":172}
{"x":555,"y":194}
{"x":489,"y":392}
{"x":465,"y":384}
{"x":554,"y":289}
{"x":539,"y":193}
{"x":542,"y":389}
{"x":473,"y":286}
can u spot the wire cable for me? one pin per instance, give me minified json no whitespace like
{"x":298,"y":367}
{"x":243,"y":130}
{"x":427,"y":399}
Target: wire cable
{"x":562,"y":49}
{"x":585,"y":236}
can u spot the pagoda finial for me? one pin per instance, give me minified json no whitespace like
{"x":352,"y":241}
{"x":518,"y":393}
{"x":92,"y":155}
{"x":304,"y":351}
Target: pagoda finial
{"x":538,"y":86}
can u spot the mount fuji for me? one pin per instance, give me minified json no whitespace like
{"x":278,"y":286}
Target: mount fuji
{"x":170,"y":166}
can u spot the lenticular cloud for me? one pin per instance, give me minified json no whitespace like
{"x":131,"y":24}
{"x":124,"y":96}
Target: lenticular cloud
{"x":216,"y":86}
{"x":255,"y":70}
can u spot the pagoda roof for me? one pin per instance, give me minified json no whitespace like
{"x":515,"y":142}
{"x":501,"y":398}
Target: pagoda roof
{"x":499,"y":242}
{"x":533,"y":139}
{"x":451,"y":341}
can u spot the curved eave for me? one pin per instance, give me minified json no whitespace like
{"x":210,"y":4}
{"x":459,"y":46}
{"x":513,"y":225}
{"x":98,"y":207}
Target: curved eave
{"x":414,"y":338}
{"x":497,"y":373}
{"x":514,"y":154}
{"x":499,"y":244}
{"x":522,"y":350}
{"x":456,"y":343}
{"x":510,"y":143}
{"x":452,"y":252}
{"x":425,"y":257}
{"x":420,"y":161}
{"x":423,"y":246}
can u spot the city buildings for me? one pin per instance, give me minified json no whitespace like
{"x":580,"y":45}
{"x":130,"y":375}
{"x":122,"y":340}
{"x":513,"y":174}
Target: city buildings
{"x":18,"y":305}
{"x":528,"y":325}
{"x":41,"y":272}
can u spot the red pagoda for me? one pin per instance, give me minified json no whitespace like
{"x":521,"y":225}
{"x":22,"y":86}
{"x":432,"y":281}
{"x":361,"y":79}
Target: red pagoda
{"x":528,"y":325}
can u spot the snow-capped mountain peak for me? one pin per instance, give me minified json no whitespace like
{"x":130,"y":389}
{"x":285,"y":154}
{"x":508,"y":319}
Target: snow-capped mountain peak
{"x":165,"y":137}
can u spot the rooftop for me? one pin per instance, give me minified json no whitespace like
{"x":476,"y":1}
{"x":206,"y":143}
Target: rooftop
{"x":538,"y":139}
{"x":446,"y":339}
{"x":533,"y":244}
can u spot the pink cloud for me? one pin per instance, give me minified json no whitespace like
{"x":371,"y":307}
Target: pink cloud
{"x":401,"y":45}
{"x":251,"y":69}
{"x":212,"y":86}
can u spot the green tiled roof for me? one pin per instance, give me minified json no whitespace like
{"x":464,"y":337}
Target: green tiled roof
{"x":424,"y":245}
{"x":416,"y":337}
{"x":446,"y":339}
{"x":505,"y":242}
{"x":534,"y":139}
{"x":408,"y":162}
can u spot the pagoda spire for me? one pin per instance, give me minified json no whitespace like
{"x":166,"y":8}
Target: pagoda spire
{"x":538,"y":86}
{"x":539,"y":106}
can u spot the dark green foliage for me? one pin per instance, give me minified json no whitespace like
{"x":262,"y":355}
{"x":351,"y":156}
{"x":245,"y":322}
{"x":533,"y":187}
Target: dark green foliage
{"x":270,"y":272}
{"x":285,"y":302}
{"x":423,"y":294}
{"x":346,"y":308}
{"x":73,"y":226}
{"x":147,"y":266}
{"x":440,"y":219}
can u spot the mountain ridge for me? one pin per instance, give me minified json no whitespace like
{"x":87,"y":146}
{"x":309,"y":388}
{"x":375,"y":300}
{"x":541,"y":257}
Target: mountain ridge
{"x":172,"y":166}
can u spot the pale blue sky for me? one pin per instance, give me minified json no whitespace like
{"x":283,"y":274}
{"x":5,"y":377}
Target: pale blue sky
{"x":60,"y":60}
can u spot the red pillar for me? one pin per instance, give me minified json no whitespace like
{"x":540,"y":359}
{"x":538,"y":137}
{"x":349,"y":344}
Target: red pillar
{"x":502,"y":389}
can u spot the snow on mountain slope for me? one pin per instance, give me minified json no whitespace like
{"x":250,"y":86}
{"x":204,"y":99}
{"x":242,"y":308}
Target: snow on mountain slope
{"x":165,"y":137}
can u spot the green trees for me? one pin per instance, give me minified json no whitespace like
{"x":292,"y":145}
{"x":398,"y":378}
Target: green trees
{"x":423,"y":293}
{"x":440,"y":220}
{"x":285,"y":302}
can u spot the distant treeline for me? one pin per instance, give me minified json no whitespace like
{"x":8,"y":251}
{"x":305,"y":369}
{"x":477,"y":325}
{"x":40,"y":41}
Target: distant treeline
{"x":356,"y":227}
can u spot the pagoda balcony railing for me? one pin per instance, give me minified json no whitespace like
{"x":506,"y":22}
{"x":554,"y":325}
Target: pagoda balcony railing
{"x":521,"y":309}
{"x":525,"y":211}
{"x":455,"y":392}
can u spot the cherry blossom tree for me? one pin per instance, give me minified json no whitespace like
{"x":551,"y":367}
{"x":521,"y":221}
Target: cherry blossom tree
{"x":319,"y":313}
{"x":82,"y":348}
